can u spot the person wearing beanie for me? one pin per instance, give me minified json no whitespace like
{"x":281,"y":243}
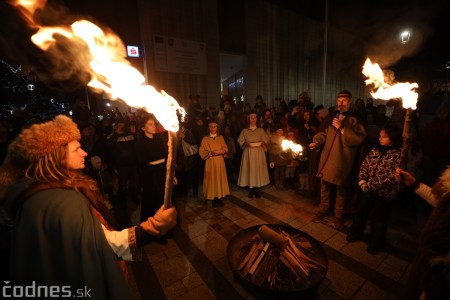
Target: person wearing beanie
{"x":62,"y":233}
{"x":341,"y":141}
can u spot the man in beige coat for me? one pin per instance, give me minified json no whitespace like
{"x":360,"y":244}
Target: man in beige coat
{"x":340,"y":141}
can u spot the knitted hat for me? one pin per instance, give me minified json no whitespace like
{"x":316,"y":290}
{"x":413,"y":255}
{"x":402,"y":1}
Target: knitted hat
{"x":42,"y":139}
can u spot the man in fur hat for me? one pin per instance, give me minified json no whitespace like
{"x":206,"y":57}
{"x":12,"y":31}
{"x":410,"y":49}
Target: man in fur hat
{"x":62,"y":234}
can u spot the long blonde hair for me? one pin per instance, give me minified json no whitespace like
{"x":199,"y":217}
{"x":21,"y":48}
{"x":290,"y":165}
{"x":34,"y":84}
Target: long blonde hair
{"x":52,"y":167}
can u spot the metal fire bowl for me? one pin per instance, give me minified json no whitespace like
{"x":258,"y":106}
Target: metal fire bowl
{"x":239,"y":245}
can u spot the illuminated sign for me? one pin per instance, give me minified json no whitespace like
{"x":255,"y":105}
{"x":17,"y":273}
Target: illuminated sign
{"x":133,"y":51}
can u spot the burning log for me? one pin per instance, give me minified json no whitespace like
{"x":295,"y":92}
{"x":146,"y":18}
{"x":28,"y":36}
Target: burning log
{"x":272,"y":253}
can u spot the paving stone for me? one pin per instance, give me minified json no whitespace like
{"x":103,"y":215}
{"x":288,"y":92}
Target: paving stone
{"x":352,"y":272}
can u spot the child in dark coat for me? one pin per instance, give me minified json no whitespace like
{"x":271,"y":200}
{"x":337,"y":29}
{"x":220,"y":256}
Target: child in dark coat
{"x":377,"y":181}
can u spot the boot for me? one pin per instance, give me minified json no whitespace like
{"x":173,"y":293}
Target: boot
{"x":306,"y":182}
{"x":301,"y":181}
{"x":256,"y":192}
{"x":250,"y":193}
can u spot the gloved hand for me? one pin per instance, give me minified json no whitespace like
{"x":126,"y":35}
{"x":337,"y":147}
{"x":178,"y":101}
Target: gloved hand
{"x":161,"y":222}
{"x":365,"y":187}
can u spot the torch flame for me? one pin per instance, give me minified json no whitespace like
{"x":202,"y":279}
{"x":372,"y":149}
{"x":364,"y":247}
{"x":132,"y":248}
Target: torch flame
{"x":28,"y":7}
{"x":288,"y":145}
{"x":110,"y":71}
{"x":386,"y":91}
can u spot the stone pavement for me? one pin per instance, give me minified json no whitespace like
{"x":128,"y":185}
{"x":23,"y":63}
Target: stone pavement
{"x":193,"y":264}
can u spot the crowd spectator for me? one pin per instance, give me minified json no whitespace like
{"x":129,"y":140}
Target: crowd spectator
{"x":435,"y":142}
{"x":231,"y":154}
{"x":5,"y":138}
{"x":267,"y":121}
{"x":381,"y":118}
{"x":194,"y":107}
{"x":187,"y":169}
{"x":277,"y":160}
{"x":259,"y":106}
{"x":121,"y":146}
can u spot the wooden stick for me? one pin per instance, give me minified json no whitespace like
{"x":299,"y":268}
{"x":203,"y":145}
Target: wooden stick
{"x":305,"y":257}
{"x":266,"y":268}
{"x":290,"y":267}
{"x":300,"y":269}
{"x":405,"y":145}
{"x":260,"y":257}
{"x":249,"y":254}
{"x":251,"y":260}
{"x":300,"y":254}
{"x":170,"y":167}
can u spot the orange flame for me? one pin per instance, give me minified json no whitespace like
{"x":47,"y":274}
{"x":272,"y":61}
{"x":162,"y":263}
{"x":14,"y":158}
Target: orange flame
{"x":385,"y":91}
{"x":288,"y":145}
{"x":28,"y":7}
{"x":110,"y":71}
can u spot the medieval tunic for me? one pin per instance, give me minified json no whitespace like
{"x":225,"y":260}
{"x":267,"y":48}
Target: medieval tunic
{"x":253,"y":172}
{"x":58,"y":241}
{"x":215,"y":182}
{"x":152,"y":156}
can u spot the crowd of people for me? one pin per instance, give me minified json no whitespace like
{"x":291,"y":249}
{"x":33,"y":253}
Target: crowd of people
{"x":349,"y":164}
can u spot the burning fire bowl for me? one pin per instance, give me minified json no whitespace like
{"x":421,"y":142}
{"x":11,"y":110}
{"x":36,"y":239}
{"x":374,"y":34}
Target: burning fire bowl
{"x":240,"y":246}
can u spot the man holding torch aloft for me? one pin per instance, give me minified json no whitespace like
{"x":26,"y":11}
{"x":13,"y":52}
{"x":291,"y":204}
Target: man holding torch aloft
{"x":340,"y":141}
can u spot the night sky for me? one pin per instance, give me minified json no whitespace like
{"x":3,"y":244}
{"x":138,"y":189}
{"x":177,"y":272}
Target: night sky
{"x":376,"y":23}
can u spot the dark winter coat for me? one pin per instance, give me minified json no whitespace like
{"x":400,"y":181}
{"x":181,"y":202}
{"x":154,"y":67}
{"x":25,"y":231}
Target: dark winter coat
{"x":340,"y":150}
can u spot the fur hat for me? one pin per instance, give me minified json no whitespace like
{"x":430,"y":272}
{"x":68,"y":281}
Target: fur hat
{"x":33,"y":143}
{"x":42,"y":139}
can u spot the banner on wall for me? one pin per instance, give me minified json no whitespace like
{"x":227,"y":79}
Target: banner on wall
{"x":179,"y":56}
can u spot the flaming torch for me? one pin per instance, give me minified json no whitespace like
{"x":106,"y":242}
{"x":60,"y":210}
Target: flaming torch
{"x":111,"y":73}
{"x":293,"y":148}
{"x":385,"y":91}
